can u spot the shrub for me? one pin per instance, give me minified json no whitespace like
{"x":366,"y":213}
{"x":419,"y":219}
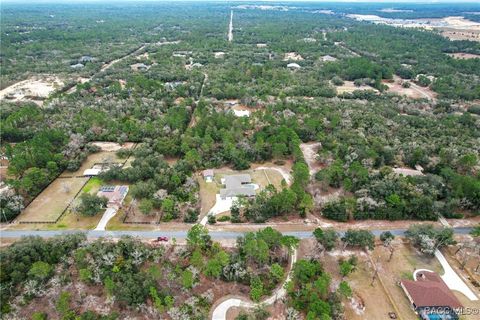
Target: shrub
{"x":223,"y":218}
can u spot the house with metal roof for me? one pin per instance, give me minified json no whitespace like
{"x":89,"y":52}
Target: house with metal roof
{"x":114,"y":194}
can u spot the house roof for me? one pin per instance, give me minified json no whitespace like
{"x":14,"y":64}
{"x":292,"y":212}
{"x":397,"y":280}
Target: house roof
{"x":92,"y":172}
{"x":235,"y":186}
{"x":430,"y":291}
{"x":237,"y":180}
{"x":207,"y":172}
{"x":114,"y":194}
{"x":234,"y":192}
{"x":293,"y":65}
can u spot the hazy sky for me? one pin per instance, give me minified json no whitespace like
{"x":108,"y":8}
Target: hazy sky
{"x":353,"y":1}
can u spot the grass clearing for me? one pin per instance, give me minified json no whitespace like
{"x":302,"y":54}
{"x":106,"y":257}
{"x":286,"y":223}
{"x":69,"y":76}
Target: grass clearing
{"x":52,"y":201}
{"x":93,"y":185}
{"x":349,"y":87}
{"x":92,"y":159}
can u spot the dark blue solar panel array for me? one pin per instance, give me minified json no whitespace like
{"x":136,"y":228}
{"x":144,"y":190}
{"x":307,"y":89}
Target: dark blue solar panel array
{"x":107,"y":188}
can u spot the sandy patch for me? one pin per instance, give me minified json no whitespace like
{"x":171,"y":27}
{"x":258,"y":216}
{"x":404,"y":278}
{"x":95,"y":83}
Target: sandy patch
{"x":462,"y":55}
{"x":453,"y":27}
{"x":292,"y":56}
{"x":309,"y":151}
{"x":407,"y":172}
{"x":414,"y":91}
{"x":349,"y":87}
{"x":36,"y":88}
{"x":112,"y":146}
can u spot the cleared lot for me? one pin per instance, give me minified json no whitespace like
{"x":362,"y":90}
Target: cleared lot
{"x":50,"y":204}
{"x":95,"y":158}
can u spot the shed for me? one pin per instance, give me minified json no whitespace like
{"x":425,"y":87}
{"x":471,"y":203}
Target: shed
{"x":77,"y":66}
{"x":92,"y":172}
{"x":293,"y":65}
{"x":208,"y":175}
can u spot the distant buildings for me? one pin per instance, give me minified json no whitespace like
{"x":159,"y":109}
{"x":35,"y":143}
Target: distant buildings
{"x":237,"y":185}
{"x":84,"y":59}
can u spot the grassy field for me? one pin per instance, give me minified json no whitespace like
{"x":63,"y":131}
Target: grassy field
{"x":50,"y":204}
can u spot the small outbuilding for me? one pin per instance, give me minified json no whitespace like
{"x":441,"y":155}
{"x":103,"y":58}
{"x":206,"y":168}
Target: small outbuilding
{"x":208,"y":175}
{"x":93,"y":172}
{"x":77,"y":66}
{"x":241,"y":113}
{"x":293,"y":66}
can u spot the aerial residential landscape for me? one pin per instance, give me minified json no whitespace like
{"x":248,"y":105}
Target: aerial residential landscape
{"x":239,"y":160}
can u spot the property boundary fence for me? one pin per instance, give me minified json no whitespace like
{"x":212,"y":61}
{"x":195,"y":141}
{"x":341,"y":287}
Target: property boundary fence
{"x":70,"y":202}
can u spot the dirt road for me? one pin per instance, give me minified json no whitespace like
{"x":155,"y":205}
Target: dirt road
{"x":309,"y":151}
{"x":230,"y":27}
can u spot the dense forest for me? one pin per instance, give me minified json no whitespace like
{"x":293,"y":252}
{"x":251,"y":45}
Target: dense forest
{"x":132,"y":277}
{"x":176,"y":106}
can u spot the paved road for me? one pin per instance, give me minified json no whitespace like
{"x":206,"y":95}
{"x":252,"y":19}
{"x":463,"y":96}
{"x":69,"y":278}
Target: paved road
{"x":216,"y":235}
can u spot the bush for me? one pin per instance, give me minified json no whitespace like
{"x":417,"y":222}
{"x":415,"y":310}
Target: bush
{"x":223,"y":218}
{"x":212,"y":219}
{"x":337,"y":81}
{"x":91,"y":204}
{"x":191,"y":216}
{"x":145,"y":206}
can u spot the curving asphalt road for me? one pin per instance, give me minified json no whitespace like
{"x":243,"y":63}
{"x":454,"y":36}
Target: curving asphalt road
{"x":151,"y":234}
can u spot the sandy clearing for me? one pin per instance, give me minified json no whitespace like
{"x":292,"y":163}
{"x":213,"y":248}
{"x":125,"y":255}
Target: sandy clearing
{"x":292,"y":56}
{"x":309,"y":151}
{"x":112,"y":146}
{"x":414,"y":91}
{"x":35,"y":88}
{"x":453,"y":27}
{"x":462,"y":55}
{"x":349,"y":87}
{"x":407,"y":172}
{"x":283,"y":171}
